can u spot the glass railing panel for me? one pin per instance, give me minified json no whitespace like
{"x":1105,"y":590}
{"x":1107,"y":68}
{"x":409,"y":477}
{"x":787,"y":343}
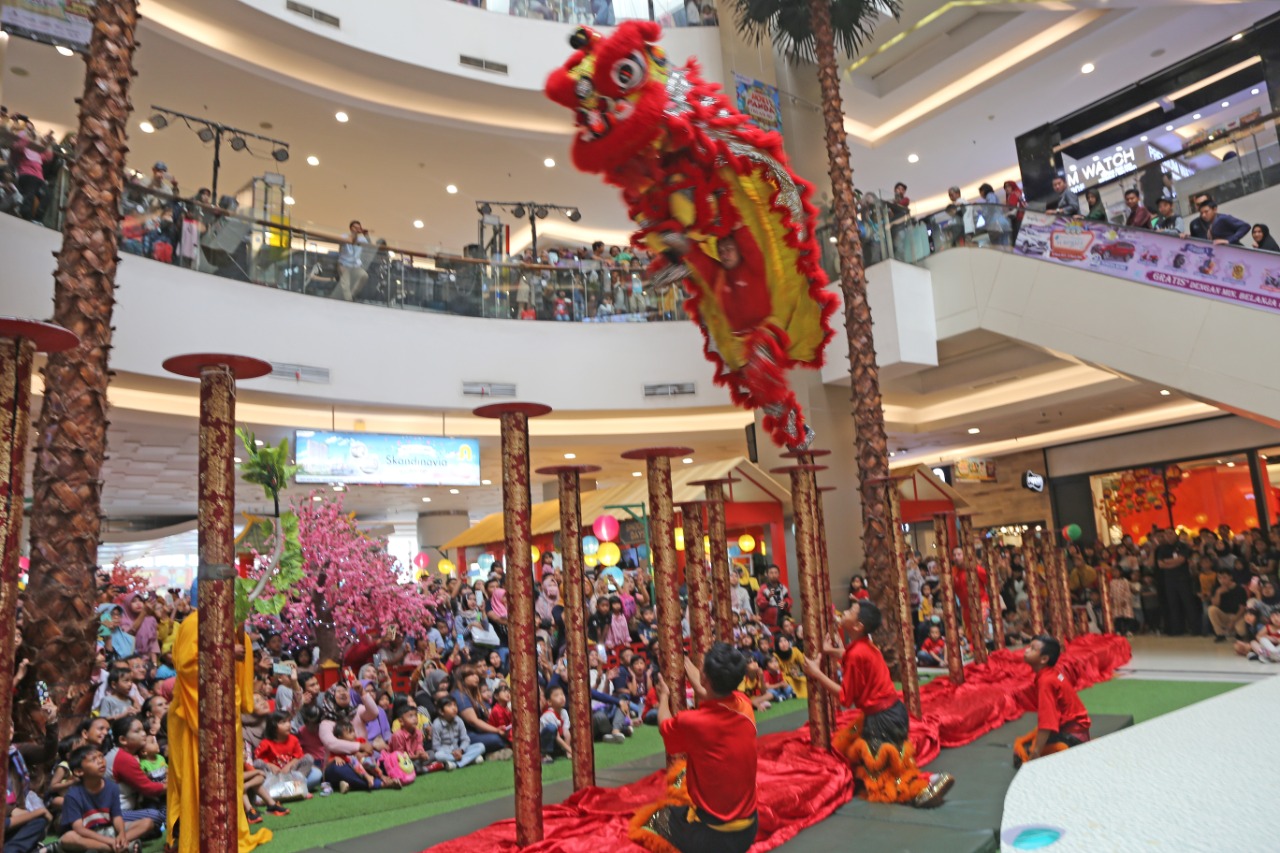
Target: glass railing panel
{"x":606,"y":13}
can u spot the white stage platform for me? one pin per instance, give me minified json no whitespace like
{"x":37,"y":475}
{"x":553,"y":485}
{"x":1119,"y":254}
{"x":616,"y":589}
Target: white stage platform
{"x":1203,"y":778}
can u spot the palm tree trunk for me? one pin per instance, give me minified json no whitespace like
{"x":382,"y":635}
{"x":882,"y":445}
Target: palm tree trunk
{"x":71,"y":432}
{"x":871,"y":446}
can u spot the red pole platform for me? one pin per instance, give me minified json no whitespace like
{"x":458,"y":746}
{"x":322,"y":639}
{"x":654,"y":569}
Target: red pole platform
{"x":575,"y":620}
{"x":218,"y":759}
{"x":513,"y":420}
{"x":20,"y":340}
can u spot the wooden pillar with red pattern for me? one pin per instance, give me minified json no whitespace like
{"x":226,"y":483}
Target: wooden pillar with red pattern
{"x":830,"y":664}
{"x":973,"y":621}
{"x":20,"y":340}
{"x":993,"y":594}
{"x":219,"y":755}
{"x":1104,"y":594}
{"x":513,"y":421}
{"x":1035,"y":591}
{"x":906,"y":625}
{"x":697,"y":581}
{"x":1064,"y":592}
{"x":575,"y":620}
{"x":718,"y":539}
{"x":950,"y":622}
{"x":665,"y":577}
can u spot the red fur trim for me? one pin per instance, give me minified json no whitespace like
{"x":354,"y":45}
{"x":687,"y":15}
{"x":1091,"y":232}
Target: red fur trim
{"x":675,"y":795}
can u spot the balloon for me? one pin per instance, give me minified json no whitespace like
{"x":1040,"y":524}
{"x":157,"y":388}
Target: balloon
{"x":747,"y":543}
{"x":422,"y":559}
{"x":605,"y":528}
{"x":590,"y":544}
{"x":609,"y":554}
{"x":614,"y":574}
{"x":591,"y":561}
{"x":679,"y":538}
{"x":485,"y":561}
{"x":419,"y":574}
{"x":534,"y":552}
{"x":1072,"y":532}
{"x":446,"y":567}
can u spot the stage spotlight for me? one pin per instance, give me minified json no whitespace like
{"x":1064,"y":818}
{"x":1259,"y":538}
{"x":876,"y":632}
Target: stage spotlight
{"x":159,"y":122}
{"x":280,"y":154}
{"x":541,"y":213}
{"x":205,"y":134}
{"x":485,"y":209}
{"x":518,"y":211}
{"x":575,"y":215}
{"x":238,"y":143}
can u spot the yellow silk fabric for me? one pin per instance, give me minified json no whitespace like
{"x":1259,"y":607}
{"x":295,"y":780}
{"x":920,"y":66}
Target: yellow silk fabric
{"x":184,"y":742}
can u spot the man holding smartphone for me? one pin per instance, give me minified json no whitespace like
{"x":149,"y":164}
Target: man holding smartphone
{"x":352,"y":275}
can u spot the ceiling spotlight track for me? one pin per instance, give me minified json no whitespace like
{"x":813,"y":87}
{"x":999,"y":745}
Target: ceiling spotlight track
{"x":531,"y":210}
{"x":208,"y":130}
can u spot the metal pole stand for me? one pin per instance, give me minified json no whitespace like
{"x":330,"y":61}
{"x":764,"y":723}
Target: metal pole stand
{"x":721,"y":585}
{"x":575,"y":620}
{"x":513,"y":419}
{"x":219,"y":749}
{"x":20,"y":340}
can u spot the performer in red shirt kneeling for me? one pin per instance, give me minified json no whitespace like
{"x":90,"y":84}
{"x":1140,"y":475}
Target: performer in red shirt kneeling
{"x":1061,"y":718}
{"x":876,"y":745}
{"x":710,"y":803}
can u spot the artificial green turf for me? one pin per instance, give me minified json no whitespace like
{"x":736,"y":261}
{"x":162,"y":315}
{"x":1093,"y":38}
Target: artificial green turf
{"x":322,"y":820}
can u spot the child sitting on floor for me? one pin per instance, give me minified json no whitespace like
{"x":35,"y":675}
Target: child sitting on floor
{"x":347,"y":772}
{"x":774,"y":682}
{"x":152,"y":762}
{"x":500,"y":714}
{"x":91,"y":812}
{"x":554,"y":726}
{"x":450,"y":742}
{"x":408,"y":739}
{"x":281,"y":752}
{"x":933,"y":651}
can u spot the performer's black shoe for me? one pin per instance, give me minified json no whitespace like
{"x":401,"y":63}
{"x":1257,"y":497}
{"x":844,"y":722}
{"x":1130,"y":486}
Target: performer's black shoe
{"x":932,"y":796}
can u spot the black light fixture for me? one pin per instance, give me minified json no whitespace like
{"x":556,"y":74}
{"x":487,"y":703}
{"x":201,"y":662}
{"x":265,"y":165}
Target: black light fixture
{"x":486,"y":209}
{"x":281,"y":153}
{"x":206,"y":134}
{"x":208,"y":130}
{"x":574,"y":214}
{"x":238,"y":143}
{"x":159,"y":122}
{"x":518,"y":211}
{"x":531,"y":210}
{"x":541,"y":213}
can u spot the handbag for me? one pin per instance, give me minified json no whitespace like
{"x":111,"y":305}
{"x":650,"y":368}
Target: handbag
{"x":482,"y":634}
{"x":286,"y":786}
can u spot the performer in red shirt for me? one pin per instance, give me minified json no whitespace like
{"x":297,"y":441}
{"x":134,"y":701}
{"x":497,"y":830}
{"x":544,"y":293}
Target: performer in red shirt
{"x":1061,"y":718}
{"x":710,"y":803}
{"x":876,"y":745}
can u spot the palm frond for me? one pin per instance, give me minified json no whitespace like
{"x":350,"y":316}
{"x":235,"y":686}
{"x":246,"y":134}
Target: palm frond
{"x":787,"y":24}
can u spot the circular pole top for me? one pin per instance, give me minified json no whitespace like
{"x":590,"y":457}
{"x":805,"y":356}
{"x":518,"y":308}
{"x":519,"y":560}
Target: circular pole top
{"x":241,"y":366}
{"x":48,"y":337}
{"x":716,"y":481}
{"x":787,"y":469}
{"x":497,"y":410}
{"x":656,"y":452}
{"x":800,"y":454}
{"x":567,"y":469}
{"x":827,"y":488}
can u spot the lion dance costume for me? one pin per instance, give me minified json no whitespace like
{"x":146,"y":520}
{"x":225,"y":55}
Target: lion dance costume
{"x":717,"y":206}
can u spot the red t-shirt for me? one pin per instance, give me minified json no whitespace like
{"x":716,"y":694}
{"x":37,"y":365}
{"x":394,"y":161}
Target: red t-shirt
{"x":720,"y":739}
{"x":934,"y":647}
{"x":1057,"y":704}
{"x":866,"y":684}
{"x":277,"y":753}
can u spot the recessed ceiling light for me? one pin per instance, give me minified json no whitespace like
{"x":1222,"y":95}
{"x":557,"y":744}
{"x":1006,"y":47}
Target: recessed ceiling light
{"x":974,"y":430}
{"x":571,"y":456}
{"x":417,"y":223}
{"x":313,"y":160}
{"x":1142,"y":139}
{"x":549,"y":163}
{"x":426,"y":500}
{"x":1226,"y":104}
{"x":1253,"y":91}
{"x":316,"y":498}
{"x":636,"y":474}
{"x":1087,"y":68}
{"x":913,"y":158}
{"x":146,"y":127}
{"x":1231,"y":464}
{"x":1237,"y":37}
{"x":453,"y":491}
{"x":486,"y":482}
{"x":288,"y":199}
{"x":1196,"y":116}
{"x":687,"y":460}
{"x":1164,"y":392}
{"x":238,"y":460}
{"x":1168,"y":127}
{"x":66,"y":51}
{"x":451,"y":189}
{"x":342,"y":117}
{"x":258,"y":442}
{"x":891,"y":454}
{"x":832,"y":238}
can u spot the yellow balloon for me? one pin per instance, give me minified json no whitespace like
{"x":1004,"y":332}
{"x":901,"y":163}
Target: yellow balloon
{"x":533,"y":549}
{"x":747,"y":543}
{"x":590,"y":561}
{"x":679,"y":538}
{"x":609,"y":553}
{"x":446,"y":567}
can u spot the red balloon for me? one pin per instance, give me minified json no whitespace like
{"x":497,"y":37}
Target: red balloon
{"x":605,"y":528}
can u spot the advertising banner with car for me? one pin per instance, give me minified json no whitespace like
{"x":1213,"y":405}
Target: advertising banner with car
{"x":1226,"y":273}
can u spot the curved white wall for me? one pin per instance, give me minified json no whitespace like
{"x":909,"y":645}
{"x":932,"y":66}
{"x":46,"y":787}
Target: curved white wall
{"x":432,"y":33}
{"x":377,"y":356}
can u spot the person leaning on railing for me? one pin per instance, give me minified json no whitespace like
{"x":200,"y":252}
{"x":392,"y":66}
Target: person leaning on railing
{"x":1067,"y":202}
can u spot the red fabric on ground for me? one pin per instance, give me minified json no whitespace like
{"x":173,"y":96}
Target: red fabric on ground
{"x":798,"y":787}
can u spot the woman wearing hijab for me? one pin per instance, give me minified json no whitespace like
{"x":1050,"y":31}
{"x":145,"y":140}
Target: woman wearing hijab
{"x":111,"y":630}
{"x":145,"y":627}
{"x":1262,"y":239}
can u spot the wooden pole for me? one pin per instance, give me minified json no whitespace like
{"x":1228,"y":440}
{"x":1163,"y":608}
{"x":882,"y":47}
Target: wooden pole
{"x":20,"y":340}
{"x":697,"y":581}
{"x":513,"y":420}
{"x":955,"y":655}
{"x":973,"y":621}
{"x":575,"y":621}
{"x":906,"y":632}
{"x":993,"y":595}
{"x":1104,"y":594}
{"x":721,"y":585}
{"x":830,"y":665}
{"x":216,"y":630}
{"x":1035,"y":601}
{"x":1064,"y":594}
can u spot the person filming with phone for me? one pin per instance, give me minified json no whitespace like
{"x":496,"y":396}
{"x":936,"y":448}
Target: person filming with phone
{"x":352,"y":275}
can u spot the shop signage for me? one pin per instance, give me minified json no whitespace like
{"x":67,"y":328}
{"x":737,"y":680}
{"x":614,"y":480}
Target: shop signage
{"x":65,"y":22}
{"x":760,"y":101}
{"x":1225,"y":273}
{"x":370,"y":458}
{"x":974,"y":471}
{"x":1033,"y":482}
{"x":1103,"y":167}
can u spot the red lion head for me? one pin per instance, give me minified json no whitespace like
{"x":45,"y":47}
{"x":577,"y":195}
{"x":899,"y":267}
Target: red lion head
{"x":616,"y":86}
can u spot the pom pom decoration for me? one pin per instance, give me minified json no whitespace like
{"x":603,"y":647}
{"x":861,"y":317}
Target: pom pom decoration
{"x":605,"y":528}
{"x":609,"y":554}
{"x":717,"y":206}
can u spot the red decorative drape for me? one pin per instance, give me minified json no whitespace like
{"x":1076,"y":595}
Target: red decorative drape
{"x":798,"y":787}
